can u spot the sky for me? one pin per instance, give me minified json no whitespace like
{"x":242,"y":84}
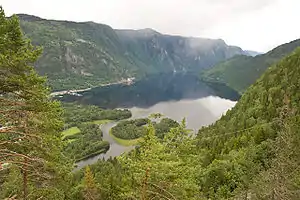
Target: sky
{"x":258,"y":25}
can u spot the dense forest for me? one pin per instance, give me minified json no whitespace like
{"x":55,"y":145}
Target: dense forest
{"x":86,"y":143}
{"x":130,"y":129}
{"x":75,"y":114}
{"x":252,"y":152}
{"x":133,"y":129}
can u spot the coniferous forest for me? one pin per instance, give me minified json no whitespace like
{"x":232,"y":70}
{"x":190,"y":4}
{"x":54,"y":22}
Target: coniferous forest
{"x":251,"y":152}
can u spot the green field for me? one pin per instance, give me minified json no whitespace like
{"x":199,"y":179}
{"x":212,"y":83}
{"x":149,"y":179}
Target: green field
{"x":74,"y":130}
{"x":125,"y":142}
{"x":71,"y":131}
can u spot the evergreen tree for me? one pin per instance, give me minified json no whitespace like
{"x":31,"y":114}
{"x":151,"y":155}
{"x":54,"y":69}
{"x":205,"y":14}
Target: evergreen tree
{"x":12,"y":184}
{"x":31,"y":123}
{"x":90,"y":189}
{"x":163,"y":169}
{"x":282,"y":179}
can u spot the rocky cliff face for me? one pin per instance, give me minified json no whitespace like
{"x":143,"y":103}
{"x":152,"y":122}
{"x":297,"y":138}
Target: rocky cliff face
{"x":166,"y":52}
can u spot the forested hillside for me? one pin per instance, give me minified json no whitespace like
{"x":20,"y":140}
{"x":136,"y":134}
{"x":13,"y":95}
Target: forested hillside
{"x":252,"y":152}
{"x":78,"y":55}
{"x":241,"y":71}
{"x":249,"y":137}
{"x":81,"y":55}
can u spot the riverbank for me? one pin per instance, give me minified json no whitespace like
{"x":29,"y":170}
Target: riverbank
{"x":116,"y":149}
{"x":125,"y":142}
{"x":93,"y":154}
{"x":127,"y":81}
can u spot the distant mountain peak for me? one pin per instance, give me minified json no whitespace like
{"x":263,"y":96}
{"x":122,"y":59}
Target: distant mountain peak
{"x":252,"y":53}
{"x":148,"y":30}
{"x":30,"y":18}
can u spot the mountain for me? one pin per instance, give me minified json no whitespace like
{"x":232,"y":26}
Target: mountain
{"x":255,"y":137}
{"x":241,"y":71}
{"x":77,"y":54}
{"x":252,"y":53}
{"x":85,"y":54}
{"x":166,"y":52}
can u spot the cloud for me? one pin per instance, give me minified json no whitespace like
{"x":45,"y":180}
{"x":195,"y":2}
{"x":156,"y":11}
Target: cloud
{"x":251,"y":24}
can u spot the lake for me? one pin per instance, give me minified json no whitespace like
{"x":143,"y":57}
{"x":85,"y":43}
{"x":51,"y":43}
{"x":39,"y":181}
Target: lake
{"x":174,"y":96}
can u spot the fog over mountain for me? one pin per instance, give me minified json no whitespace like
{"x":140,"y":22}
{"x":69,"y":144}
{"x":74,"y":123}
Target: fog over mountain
{"x":252,"y":25}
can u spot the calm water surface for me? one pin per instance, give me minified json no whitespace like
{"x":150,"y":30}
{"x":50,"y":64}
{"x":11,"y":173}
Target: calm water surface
{"x":198,"y":112}
{"x":176,"y":96}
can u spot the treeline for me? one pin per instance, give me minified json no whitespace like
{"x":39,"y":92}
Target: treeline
{"x":133,"y":129}
{"x":76,"y":113}
{"x":86,"y":143}
{"x":130,"y":129}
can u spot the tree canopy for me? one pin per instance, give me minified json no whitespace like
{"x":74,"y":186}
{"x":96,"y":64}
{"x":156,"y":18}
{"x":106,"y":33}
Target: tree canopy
{"x":30,"y":145}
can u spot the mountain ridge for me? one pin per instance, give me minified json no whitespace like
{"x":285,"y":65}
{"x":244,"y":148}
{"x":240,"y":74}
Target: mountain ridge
{"x":87,"y":54}
{"x":240,"y":71}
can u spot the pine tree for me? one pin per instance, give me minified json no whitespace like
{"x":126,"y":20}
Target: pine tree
{"x":12,"y":184}
{"x":30,"y":122}
{"x":163,"y":169}
{"x":282,"y":179}
{"x":90,"y":189}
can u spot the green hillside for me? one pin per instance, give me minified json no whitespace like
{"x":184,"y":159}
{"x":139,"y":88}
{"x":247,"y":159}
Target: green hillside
{"x":77,"y":55}
{"x":245,"y":141}
{"x":81,"y":55}
{"x":250,"y":153}
{"x":241,"y":71}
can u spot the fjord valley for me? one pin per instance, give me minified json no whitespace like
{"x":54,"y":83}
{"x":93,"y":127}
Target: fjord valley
{"x":83,"y":55}
{"x":156,"y":116}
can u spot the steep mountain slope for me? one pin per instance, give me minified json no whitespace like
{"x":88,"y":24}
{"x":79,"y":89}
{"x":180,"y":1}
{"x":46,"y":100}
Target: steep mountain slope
{"x":244,"y":142}
{"x":78,"y":55}
{"x":240,"y":72}
{"x":165,"y":52}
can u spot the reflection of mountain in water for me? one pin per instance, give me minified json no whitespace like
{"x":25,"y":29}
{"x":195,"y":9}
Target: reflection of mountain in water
{"x":151,"y":90}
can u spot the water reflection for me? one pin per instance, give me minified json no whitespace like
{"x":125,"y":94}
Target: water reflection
{"x":152,"y":90}
{"x":175,"y":96}
{"x":198,"y":112}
